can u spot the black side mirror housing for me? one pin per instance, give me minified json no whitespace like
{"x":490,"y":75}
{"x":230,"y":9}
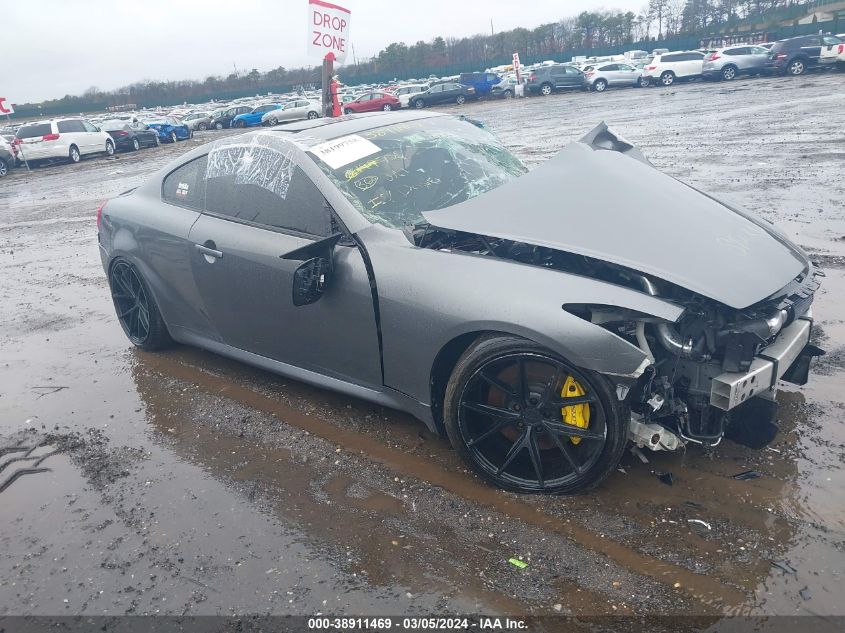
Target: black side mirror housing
{"x":310,"y":279}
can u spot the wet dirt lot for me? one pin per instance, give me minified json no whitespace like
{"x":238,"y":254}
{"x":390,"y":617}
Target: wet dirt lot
{"x":185,"y":483}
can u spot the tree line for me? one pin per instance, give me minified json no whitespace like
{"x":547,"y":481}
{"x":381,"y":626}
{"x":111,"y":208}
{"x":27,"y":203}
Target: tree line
{"x":657,"y":21}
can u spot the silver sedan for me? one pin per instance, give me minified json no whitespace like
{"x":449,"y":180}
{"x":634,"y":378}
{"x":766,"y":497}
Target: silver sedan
{"x":295,"y":110}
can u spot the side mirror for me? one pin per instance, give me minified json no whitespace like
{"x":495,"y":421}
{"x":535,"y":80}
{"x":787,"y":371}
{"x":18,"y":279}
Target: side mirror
{"x":310,"y":280}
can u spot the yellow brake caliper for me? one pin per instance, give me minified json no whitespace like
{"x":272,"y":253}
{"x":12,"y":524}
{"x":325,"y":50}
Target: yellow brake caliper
{"x":577,"y":414}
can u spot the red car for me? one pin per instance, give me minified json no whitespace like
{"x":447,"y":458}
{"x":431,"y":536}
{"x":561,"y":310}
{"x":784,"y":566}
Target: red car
{"x":372,"y":101}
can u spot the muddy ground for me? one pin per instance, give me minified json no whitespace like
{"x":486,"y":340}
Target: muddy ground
{"x":184,"y":483}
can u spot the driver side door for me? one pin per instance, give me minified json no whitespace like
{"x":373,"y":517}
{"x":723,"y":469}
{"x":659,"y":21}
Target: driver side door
{"x":251,"y":219}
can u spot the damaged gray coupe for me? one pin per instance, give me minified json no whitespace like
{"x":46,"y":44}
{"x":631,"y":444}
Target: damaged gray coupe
{"x":542,"y":319}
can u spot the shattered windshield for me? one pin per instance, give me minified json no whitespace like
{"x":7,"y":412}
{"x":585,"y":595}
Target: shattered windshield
{"x":393,"y":174}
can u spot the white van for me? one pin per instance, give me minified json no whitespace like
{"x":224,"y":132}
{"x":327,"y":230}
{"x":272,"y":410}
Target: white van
{"x":69,"y":138}
{"x":404,"y":93}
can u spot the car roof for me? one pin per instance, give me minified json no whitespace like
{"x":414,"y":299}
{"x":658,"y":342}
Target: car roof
{"x":330,"y":128}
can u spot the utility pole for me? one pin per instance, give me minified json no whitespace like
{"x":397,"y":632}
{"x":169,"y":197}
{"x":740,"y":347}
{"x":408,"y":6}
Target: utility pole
{"x":491,"y":26}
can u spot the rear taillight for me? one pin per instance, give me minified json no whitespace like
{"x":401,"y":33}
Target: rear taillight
{"x":121,"y":133}
{"x":650,"y":67}
{"x":100,"y":214}
{"x":50,"y":137}
{"x":18,"y":141}
{"x":780,"y":56}
{"x":841,"y":48}
{"x":590,"y":74}
{"x":712,"y":57}
{"x":532,"y":77}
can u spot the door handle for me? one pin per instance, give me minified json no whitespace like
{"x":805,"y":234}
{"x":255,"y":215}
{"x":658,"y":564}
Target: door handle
{"x":208,"y":251}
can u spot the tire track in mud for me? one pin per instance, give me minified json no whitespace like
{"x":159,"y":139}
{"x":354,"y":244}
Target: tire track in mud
{"x":707,"y":590}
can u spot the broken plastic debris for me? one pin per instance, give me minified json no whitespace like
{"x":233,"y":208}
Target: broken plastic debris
{"x":747,"y":474}
{"x":805,"y":593}
{"x":784,"y":567}
{"x":700,"y":522}
{"x":666,"y":478}
{"x":518,"y":563}
{"x":636,"y":451}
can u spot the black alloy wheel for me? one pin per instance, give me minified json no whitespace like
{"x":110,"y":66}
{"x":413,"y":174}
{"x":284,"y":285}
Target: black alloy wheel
{"x":527,"y":421}
{"x":136,"y":309}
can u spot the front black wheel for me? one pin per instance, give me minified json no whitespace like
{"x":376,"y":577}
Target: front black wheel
{"x":419,"y":104}
{"x":526,"y":420}
{"x":136,"y":145}
{"x":136,"y":309}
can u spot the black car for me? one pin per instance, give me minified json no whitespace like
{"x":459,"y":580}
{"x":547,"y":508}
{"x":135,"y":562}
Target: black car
{"x":796,"y":55}
{"x":443,"y":93}
{"x":130,"y":135}
{"x":547,"y":79}
{"x":223,"y":118}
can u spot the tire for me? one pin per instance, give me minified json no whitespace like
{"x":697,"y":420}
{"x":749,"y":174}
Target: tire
{"x":272,"y":121}
{"x":203,"y":127}
{"x":190,"y":134}
{"x":173,"y":137}
{"x":667,"y":78}
{"x":73,"y":154}
{"x":387,"y":107}
{"x":156,"y":141}
{"x":4,"y":168}
{"x":519,"y":438}
{"x":218,"y":126}
{"x":600,"y":85}
{"x":135,"y":144}
{"x":796,"y":67}
{"x":240,"y":124}
{"x":313,"y":115}
{"x":419,"y":104}
{"x":460,"y":100}
{"x":109,"y":148}
{"x":136,"y":308}
{"x":644,"y":82}
{"x":546,"y":89}
{"x":507,"y":94}
{"x":347,"y":111}
{"x":729,"y":73}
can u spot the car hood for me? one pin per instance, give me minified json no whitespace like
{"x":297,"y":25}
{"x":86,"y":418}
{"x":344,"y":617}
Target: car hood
{"x":601,"y":198}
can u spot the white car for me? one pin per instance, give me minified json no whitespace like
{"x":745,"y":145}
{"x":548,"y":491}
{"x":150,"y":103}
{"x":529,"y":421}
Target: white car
{"x":69,"y":138}
{"x":404,"y":93}
{"x":833,"y":53}
{"x":293,"y":110}
{"x":666,"y":68}
{"x":616,"y":74}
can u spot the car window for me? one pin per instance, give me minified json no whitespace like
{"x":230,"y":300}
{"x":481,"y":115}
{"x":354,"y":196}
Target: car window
{"x":734,"y":51}
{"x":88,"y":127}
{"x":420,"y":166}
{"x":829,"y":40}
{"x":437,"y":88}
{"x":68,"y":127}
{"x":283,"y":197}
{"x":185,"y":187}
{"x":609,"y":67}
{"x":671,"y":58}
{"x":759,"y":50}
{"x":569,"y":70}
{"x":31,"y":131}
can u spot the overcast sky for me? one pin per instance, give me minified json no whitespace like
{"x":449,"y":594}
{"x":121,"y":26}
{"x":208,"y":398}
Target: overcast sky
{"x":57,"y":47}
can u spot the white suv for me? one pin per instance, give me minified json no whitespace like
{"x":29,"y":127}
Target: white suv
{"x":61,"y":138}
{"x":404,"y":93}
{"x":666,"y":68}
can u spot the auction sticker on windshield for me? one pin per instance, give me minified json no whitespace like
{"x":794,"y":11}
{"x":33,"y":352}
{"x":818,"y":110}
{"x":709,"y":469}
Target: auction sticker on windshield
{"x":342,"y":151}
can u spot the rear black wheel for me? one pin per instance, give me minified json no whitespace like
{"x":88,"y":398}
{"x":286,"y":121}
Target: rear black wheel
{"x":4,"y":168}
{"x":73,"y":154}
{"x":135,"y":144}
{"x":136,"y":309}
{"x":313,"y":115}
{"x":460,"y":100}
{"x":203,"y":126}
{"x":419,"y":104}
{"x":173,"y":137}
{"x":526,"y":420}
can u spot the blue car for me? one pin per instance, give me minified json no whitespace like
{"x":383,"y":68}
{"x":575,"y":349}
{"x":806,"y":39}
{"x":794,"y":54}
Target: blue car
{"x":170,"y":129}
{"x":254,"y":117}
{"x":482,"y":82}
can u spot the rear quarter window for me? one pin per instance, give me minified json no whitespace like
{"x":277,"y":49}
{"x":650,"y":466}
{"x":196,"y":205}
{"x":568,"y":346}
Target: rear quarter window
{"x":185,"y":186}
{"x":31,"y":131}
